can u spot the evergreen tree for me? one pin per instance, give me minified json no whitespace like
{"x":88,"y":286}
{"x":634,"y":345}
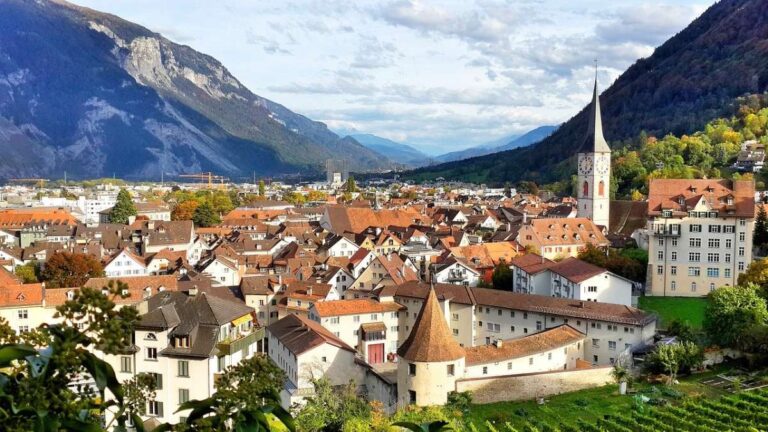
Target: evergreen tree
{"x":761,"y":227}
{"x":123,"y":209}
{"x":351,"y":185}
{"x":204,"y":215}
{"x":262,"y":188}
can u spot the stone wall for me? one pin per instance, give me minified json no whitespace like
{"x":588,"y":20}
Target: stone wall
{"x":531,"y":386}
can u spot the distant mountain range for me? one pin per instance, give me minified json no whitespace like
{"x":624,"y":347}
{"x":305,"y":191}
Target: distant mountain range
{"x":506,"y":143}
{"x":94,"y":95}
{"x":397,"y":152}
{"x":692,"y":78}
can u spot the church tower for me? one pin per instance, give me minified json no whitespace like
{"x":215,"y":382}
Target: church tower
{"x":594,"y":169}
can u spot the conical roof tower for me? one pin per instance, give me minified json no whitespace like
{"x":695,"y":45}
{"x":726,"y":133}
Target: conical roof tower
{"x":430,"y":339}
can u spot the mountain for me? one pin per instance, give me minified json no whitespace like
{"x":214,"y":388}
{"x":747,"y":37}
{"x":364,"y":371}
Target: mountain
{"x":400,"y":153}
{"x":692,"y":78}
{"x":506,"y":143}
{"x":94,"y":95}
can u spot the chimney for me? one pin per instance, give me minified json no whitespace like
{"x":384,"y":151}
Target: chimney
{"x":193,"y":291}
{"x":151,"y":225}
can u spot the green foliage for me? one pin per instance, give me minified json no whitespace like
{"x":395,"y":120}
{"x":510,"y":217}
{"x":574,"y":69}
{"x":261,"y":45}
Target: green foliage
{"x":760,"y":236}
{"x":460,"y":401}
{"x":28,"y":273}
{"x":503,"y":278}
{"x":351,"y":186}
{"x":682,"y":329}
{"x":295,"y":198}
{"x":205,"y":216}
{"x":629,"y":263}
{"x":673,"y":358}
{"x":123,"y":209}
{"x":65,"y":269}
{"x":262,"y":188}
{"x":731,"y":311}
{"x":436,"y":426}
{"x":330,"y":408}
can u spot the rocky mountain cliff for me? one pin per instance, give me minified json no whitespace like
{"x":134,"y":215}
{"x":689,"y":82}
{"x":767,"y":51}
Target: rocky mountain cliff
{"x":94,"y":95}
{"x":691,"y":79}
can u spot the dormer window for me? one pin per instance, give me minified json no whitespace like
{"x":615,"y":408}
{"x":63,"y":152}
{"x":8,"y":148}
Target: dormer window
{"x":666,"y":213}
{"x":181,"y":341}
{"x":151,"y":336}
{"x":681,"y":201}
{"x":729,"y":200}
{"x":693,"y":189}
{"x":70,"y":295}
{"x":147,"y":292}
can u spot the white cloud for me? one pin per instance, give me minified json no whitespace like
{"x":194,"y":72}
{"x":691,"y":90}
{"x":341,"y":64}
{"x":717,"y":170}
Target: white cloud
{"x":441,"y":74}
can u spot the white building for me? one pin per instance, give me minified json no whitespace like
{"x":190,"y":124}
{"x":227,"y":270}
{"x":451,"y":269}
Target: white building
{"x":126,"y":264}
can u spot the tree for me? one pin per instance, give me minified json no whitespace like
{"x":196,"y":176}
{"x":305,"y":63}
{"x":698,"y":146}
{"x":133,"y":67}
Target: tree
{"x":262,"y":188}
{"x":503,"y":278}
{"x":683,"y":330}
{"x":330,"y":408}
{"x":28,"y":272}
{"x":184,"y":210}
{"x":760,"y":237}
{"x":204,"y":216}
{"x":36,"y":392}
{"x":730,"y":311}
{"x":351,"y":185}
{"x":65,"y":269}
{"x":672,"y":359}
{"x":756,"y":274}
{"x":593,"y":255}
{"x":123,"y":208}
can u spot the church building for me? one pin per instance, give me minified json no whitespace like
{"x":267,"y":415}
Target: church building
{"x":594,"y":169}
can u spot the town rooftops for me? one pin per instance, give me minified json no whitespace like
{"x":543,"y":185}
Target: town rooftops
{"x":564,"y":231}
{"x":357,"y":219}
{"x":17,"y":218}
{"x":300,"y":334}
{"x":354,"y":307}
{"x":544,"y":341}
{"x":430,"y":339}
{"x":729,"y":198}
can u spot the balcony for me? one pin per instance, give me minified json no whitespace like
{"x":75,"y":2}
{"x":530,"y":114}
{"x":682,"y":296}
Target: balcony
{"x":241,"y":341}
{"x":667,"y":231}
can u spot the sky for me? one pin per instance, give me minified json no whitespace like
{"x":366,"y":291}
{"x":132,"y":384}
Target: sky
{"x":439,"y":75}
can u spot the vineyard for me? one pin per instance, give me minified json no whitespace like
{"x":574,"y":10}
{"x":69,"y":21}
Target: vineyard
{"x":746,"y":411}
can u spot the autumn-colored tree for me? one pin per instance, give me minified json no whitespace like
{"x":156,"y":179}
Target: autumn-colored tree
{"x":64,"y":269}
{"x":184,"y":210}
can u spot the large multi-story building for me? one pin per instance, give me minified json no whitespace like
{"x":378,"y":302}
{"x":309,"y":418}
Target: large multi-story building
{"x":700,"y":234}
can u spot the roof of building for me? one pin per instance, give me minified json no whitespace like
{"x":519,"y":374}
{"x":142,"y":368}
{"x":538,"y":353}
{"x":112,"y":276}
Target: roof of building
{"x":300,"y":334}
{"x":532,"y":263}
{"x":430,"y":339}
{"x":16,"y":294}
{"x":564,"y":231}
{"x":358,"y":219}
{"x":355,"y":307}
{"x":508,"y":349}
{"x":683,"y":195}
{"x":608,"y":312}
{"x":627,"y":216}
{"x":576,"y":270}
{"x":17,"y":218}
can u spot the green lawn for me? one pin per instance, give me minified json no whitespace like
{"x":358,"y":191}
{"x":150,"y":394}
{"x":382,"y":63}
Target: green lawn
{"x":669,"y":308}
{"x":588,"y":405}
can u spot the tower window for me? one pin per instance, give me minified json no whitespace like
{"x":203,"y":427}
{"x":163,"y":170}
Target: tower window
{"x":585,"y":188}
{"x":601,"y":188}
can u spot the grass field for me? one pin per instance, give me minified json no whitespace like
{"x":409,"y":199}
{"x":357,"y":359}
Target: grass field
{"x":589,"y":405}
{"x":669,"y":308}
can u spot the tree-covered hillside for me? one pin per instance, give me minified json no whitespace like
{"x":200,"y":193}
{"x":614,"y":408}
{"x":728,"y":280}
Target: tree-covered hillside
{"x":691,"y":79}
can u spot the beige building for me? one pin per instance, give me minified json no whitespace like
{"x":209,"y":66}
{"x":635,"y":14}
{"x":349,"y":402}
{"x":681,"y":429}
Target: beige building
{"x":700,"y":234}
{"x":556,"y":238}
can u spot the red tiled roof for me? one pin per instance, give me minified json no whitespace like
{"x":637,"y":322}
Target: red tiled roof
{"x":14,"y":295}
{"x":666,"y":194}
{"x":355,"y":307}
{"x":544,"y":341}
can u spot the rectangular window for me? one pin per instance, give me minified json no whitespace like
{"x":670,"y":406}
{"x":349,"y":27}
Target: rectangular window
{"x":713,"y":243}
{"x":714,"y":228}
{"x":673,"y":270}
{"x":23,"y":314}
{"x":713,"y":257}
{"x":538,"y":325}
{"x":334,"y":320}
{"x":595,"y":343}
{"x":727,"y":257}
{"x":694,"y":256}
{"x":674,"y":242}
{"x":673,"y":256}
{"x":455,"y":317}
{"x":741,"y":265}
{"x":695,"y":228}
{"x":612,"y":345}
{"x":155,"y":408}
{"x":450,"y":370}
{"x":411,"y":369}
{"x":485,"y":370}
{"x":694,"y":242}
{"x":673,"y":286}
{"x":660,"y":269}
{"x":183,"y":368}
{"x":728,"y":243}
{"x":126,"y":363}
{"x":713,"y":272}
{"x":411,"y":397}
{"x":741,"y":251}
{"x":158,"y":380}
{"x":694,"y":271}
{"x":742,"y":236}
{"x":660,"y":255}
{"x":729,"y":229}
{"x":727,"y":273}
{"x":183,"y":396}
{"x":151,"y":353}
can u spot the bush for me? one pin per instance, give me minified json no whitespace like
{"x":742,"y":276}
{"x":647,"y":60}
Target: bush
{"x":460,"y":401}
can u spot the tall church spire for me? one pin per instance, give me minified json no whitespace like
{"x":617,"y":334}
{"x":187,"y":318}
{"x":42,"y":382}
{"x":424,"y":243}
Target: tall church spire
{"x":594,"y":141}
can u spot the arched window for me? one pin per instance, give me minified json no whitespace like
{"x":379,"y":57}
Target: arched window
{"x":601,"y":188}
{"x":585,"y":188}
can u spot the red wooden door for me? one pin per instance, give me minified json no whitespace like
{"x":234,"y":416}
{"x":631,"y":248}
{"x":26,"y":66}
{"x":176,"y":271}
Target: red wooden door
{"x":376,"y":353}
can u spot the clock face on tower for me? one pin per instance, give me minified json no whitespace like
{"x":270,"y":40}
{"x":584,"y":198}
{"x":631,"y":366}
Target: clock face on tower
{"x":601,"y":165}
{"x":585,"y":165}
